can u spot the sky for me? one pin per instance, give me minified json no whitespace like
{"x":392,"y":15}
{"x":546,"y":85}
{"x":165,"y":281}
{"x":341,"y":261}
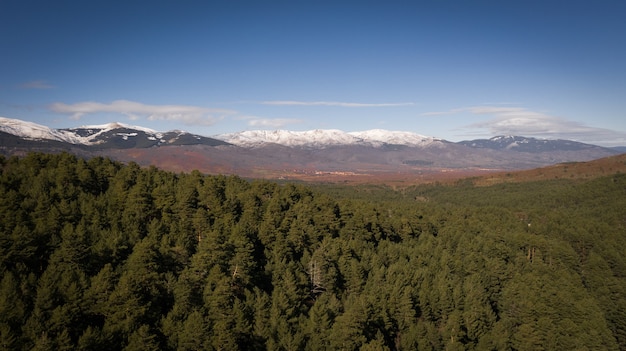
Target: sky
{"x":455,"y":70}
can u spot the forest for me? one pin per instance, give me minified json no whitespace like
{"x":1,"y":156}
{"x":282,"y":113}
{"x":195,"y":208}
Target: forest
{"x":100,"y":255}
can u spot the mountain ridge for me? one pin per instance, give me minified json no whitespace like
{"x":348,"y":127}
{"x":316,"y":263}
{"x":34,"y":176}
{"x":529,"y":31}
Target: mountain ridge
{"x":308,"y":155}
{"x":525,"y":144}
{"x":325,"y":137}
{"x":114,"y":134}
{"x":91,"y":135}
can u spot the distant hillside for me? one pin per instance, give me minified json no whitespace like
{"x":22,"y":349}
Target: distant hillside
{"x":523,"y":144}
{"x":619,"y":148}
{"x":570,"y":170}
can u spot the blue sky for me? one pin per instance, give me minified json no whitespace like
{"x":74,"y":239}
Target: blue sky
{"x":450,"y":69}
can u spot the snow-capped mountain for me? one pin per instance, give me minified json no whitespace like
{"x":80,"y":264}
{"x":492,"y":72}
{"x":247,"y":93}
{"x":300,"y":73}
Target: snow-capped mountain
{"x":320,"y":138}
{"x":34,"y":131}
{"x":87,"y":135}
{"x":311,"y":138}
{"x":124,"y":135}
{"x":275,"y":151}
{"x":119,"y":135}
{"x":90,"y":135}
{"x":524,"y":144}
{"x":110,"y":135}
{"x":382,"y":136}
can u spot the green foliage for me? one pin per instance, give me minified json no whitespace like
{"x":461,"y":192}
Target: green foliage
{"x":96,"y":255}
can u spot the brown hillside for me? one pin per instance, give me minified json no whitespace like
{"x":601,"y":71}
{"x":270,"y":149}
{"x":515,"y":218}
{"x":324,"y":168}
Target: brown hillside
{"x":570,"y":170}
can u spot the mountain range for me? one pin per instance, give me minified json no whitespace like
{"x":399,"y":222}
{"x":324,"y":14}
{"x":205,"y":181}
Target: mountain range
{"x":295,"y":154}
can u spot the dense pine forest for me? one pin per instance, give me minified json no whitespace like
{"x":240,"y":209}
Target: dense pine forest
{"x":98,"y":255}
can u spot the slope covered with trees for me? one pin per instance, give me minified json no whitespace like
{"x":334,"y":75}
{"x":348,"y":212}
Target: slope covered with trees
{"x":97,"y":255}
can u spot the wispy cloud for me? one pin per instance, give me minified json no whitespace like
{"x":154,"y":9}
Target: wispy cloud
{"x":443,"y":113}
{"x":189,"y":115}
{"x":485,"y":110}
{"x":272,"y":123}
{"x":521,"y":121}
{"x":36,"y":84}
{"x":333,"y":103}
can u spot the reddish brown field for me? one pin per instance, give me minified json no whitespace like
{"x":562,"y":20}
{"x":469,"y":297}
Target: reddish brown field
{"x":389,"y":178}
{"x":183,"y":159}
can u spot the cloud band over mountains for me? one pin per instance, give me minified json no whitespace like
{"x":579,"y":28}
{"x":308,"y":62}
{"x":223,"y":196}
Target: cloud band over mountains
{"x":524,"y":122}
{"x":195,"y":115}
{"x":499,"y":120}
{"x":189,"y":115}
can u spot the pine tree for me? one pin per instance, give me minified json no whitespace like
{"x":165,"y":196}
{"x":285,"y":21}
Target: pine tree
{"x":142,"y":339}
{"x":194,"y":332}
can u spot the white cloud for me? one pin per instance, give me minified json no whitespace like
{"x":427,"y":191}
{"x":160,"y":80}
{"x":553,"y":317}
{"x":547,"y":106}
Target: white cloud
{"x":36,"y":84}
{"x":521,"y":121}
{"x":189,"y":115}
{"x":274,"y":123}
{"x":443,"y":113}
{"x":333,"y":103}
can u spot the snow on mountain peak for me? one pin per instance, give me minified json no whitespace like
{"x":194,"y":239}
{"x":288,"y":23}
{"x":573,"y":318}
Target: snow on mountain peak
{"x":324,"y":137}
{"x":34,"y":131}
{"x":84,"y":135}
{"x":393,"y":137}
{"x":117,"y":125}
{"x":91,"y":134}
{"x":317,"y":138}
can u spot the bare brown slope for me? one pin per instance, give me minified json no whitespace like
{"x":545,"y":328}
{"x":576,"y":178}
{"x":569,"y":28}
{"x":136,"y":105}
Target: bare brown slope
{"x":569,"y":170}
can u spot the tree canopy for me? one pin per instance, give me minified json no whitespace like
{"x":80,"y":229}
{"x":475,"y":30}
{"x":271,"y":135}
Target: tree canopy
{"x":98,"y":255}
